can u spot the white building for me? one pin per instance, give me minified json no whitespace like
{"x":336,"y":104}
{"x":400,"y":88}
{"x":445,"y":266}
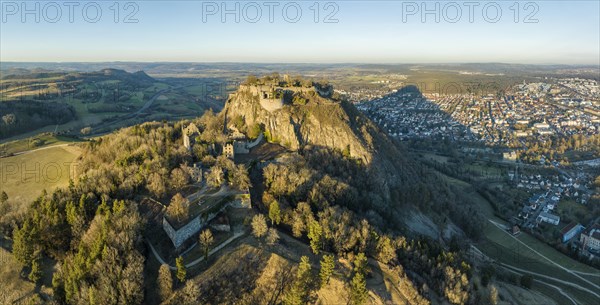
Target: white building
{"x":548,"y":218}
{"x":590,"y":238}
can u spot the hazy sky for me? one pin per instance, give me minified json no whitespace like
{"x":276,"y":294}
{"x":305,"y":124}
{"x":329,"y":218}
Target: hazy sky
{"x":566,"y":32}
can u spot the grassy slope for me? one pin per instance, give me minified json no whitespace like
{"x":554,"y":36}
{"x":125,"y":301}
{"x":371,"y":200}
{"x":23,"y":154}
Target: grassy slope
{"x":13,"y":286}
{"x":24,"y":176}
{"x":22,"y":145}
{"x":502,"y":247}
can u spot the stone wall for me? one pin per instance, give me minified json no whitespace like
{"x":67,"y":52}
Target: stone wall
{"x":241,"y":201}
{"x":178,"y":237}
{"x":221,"y":227}
{"x":271,"y":104}
{"x":240,"y":147}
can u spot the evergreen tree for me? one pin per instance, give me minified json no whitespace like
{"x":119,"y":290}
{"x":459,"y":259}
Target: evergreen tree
{"x":92,"y":296}
{"x":3,"y":197}
{"x":385,"y":249}
{"x":298,"y":293}
{"x":358,"y":289}
{"x":58,"y":288}
{"x":75,"y":218}
{"x":181,"y":273}
{"x":315,"y":232}
{"x":23,"y":243}
{"x":360,"y":263}
{"x":36,"y":273}
{"x":327,"y":267}
{"x":294,"y":296}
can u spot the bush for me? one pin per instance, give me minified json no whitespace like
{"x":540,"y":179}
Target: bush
{"x":527,"y":281}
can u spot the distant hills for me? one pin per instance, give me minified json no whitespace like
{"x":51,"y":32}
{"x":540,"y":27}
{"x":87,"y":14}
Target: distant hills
{"x":139,"y":78}
{"x":221,"y":69}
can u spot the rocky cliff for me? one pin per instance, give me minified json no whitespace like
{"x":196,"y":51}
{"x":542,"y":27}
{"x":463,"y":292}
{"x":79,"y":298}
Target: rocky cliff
{"x":307,"y":119}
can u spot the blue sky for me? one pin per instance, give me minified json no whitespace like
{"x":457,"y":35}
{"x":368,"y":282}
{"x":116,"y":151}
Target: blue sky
{"x":566,"y":32}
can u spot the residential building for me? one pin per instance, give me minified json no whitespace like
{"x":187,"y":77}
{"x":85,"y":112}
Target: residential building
{"x":590,"y":238}
{"x":548,"y":218}
{"x":570,"y":231}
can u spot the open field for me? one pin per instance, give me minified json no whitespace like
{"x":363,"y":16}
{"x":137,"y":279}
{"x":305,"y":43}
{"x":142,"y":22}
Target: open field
{"x":93,"y":97}
{"x":24,"y":176}
{"x":35,"y":142}
{"x":503,"y":248}
{"x":198,"y":90}
{"x":14,"y":288}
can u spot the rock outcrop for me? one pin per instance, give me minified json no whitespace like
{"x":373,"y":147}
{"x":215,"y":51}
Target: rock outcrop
{"x":307,"y":119}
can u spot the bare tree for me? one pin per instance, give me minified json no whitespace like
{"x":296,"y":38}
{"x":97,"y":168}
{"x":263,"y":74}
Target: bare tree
{"x":259,"y":225}
{"x":206,"y":240}
{"x":165,"y":282}
{"x":179,"y":207}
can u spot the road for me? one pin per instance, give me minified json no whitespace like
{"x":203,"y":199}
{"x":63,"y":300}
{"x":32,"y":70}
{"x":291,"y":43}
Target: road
{"x":41,"y":148}
{"x":153,"y":98}
{"x":136,"y":113}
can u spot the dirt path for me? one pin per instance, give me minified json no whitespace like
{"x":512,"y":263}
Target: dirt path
{"x":520,"y":271}
{"x":500,"y":226}
{"x":41,"y":148}
{"x":551,"y":278}
{"x":562,"y":292}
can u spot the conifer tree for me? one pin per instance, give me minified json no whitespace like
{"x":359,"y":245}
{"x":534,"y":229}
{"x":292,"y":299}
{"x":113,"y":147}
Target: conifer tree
{"x":3,"y":197}
{"x":181,"y":273}
{"x":298,"y":293}
{"x":358,"y":289}
{"x":36,"y":273}
{"x":315,"y":232}
{"x":23,"y":243}
{"x":327,"y":267}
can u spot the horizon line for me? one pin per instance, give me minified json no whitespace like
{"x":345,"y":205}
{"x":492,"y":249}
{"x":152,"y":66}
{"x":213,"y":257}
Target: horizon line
{"x":298,"y":63}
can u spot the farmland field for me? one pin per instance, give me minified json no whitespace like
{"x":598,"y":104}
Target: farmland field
{"x":24,"y":176}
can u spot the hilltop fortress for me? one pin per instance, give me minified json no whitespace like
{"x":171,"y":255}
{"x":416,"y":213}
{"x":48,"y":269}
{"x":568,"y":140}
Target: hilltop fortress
{"x":299,"y":114}
{"x":274,"y":94}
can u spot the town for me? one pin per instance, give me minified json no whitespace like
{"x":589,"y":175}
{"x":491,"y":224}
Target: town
{"x":541,"y":137}
{"x":562,"y":112}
